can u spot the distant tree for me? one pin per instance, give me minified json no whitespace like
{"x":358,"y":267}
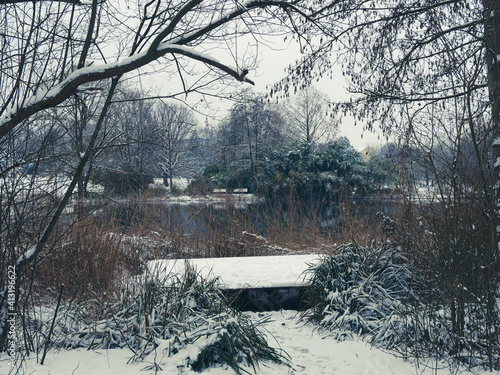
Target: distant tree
{"x":309,"y":117}
{"x":251,"y":129}
{"x":151,"y":137}
{"x":135,"y":148}
{"x":176,"y":138}
{"x":380,"y":174}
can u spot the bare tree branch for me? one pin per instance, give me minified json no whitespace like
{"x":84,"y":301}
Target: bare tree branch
{"x":60,"y":92}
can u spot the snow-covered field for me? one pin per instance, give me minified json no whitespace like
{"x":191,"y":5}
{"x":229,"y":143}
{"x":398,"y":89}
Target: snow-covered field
{"x":54,"y":185}
{"x":311,"y":353}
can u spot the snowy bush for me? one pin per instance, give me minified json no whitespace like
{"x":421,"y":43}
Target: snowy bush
{"x":123,"y":180}
{"x":184,"y":317}
{"x":334,"y":171}
{"x":356,"y":287}
{"x":377,"y":293}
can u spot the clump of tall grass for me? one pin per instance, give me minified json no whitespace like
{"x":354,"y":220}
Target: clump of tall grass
{"x":355,"y":287}
{"x":184,"y":317}
{"x":377,"y":292}
{"x":89,"y":259}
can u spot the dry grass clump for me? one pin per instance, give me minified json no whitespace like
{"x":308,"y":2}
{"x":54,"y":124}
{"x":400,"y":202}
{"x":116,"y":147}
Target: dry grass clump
{"x":89,"y":259}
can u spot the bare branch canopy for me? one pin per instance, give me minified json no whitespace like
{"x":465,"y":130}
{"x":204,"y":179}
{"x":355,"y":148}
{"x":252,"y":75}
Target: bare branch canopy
{"x":165,"y":42}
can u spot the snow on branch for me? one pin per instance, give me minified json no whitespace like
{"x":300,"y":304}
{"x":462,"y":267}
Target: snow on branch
{"x":58,"y":93}
{"x":239,"y":74}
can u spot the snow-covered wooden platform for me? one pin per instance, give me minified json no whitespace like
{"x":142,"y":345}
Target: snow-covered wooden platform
{"x":244,"y":272}
{"x":255,"y":283}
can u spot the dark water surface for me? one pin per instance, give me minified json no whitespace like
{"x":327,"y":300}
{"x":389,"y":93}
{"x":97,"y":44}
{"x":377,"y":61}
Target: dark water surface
{"x":196,"y":218}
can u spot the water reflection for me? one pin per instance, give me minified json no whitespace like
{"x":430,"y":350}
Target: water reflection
{"x":200,"y":218}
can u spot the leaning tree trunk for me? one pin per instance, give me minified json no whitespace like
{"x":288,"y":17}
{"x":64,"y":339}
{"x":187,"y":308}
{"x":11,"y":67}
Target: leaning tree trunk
{"x":26,"y":260}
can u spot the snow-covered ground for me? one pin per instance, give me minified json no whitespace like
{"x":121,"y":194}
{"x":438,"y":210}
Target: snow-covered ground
{"x":236,"y":200}
{"x":311,"y":353}
{"x":53,"y":185}
{"x":180,"y":183}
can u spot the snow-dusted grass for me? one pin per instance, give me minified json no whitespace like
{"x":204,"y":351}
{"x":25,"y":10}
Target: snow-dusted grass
{"x":311,"y":353}
{"x":376,"y":292}
{"x":356,"y":287}
{"x":184,"y":318}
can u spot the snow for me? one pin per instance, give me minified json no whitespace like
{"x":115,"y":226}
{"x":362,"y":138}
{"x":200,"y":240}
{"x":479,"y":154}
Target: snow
{"x":218,"y":201}
{"x":26,"y":255}
{"x":242,"y":272}
{"x":311,"y":353}
{"x":187,"y":51}
{"x":41,"y":185}
{"x":44,"y":95}
{"x":180,"y":183}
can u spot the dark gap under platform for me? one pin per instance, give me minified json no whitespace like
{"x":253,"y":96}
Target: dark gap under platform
{"x":267,"y":299}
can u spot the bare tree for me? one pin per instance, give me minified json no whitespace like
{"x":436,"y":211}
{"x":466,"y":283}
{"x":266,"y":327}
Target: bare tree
{"x":154,"y":137}
{"x":309,"y":117}
{"x":176,"y":136}
{"x":161,"y":30}
{"x":137,"y":138}
{"x":251,"y":128}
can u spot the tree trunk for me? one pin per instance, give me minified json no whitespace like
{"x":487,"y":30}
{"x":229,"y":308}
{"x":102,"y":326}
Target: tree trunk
{"x":26,"y":260}
{"x":171,"y":179}
{"x":492,"y":57}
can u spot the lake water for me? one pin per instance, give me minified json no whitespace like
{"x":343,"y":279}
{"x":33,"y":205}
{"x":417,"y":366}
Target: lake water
{"x":200,"y":218}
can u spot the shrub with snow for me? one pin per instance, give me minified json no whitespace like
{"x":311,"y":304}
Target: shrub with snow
{"x":356,"y":287}
{"x":183,"y":317}
{"x":376,"y":292}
